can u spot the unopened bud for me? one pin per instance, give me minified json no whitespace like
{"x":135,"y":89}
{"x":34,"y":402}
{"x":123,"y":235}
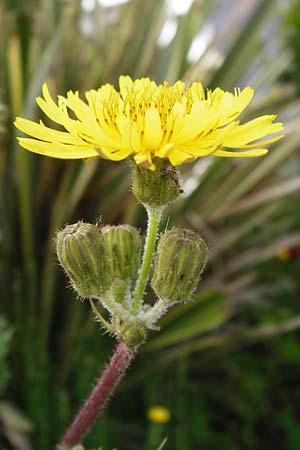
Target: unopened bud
{"x":124,"y":248}
{"x":156,"y":188}
{"x":82,"y":252}
{"x":180,"y":260}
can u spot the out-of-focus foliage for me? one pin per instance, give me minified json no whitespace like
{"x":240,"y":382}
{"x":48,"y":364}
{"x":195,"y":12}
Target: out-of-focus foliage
{"x":248,"y":210}
{"x":14,"y":426}
{"x":5,"y":337}
{"x":291,"y":29}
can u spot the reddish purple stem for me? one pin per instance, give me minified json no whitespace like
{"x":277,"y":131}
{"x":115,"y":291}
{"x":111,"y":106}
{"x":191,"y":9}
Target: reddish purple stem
{"x":94,"y":404}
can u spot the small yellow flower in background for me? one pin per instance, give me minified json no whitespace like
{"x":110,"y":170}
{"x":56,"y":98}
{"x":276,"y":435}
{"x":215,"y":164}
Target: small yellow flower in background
{"x":283,"y":254}
{"x":147,"y":121}
{"x":159,"y":414}
{"x":287,"y":253}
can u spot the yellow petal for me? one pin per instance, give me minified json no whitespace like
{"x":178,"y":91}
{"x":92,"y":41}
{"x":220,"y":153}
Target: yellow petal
{"x":231,"y":106}
{"x":164,"y":150}
{"x":50,"y":109}
{"x":126,"y":85}
{"x":212,"y":138}
{"x":90,"y":126}
{"x":144,"y":160}
{"x":175,"y":120}
{"x":129,"y":134}
{"x":40,"y":131}
{"x":251,"y":131}
{"x":177,"y":157}
{"x":118,"y":155}
{"x":197,"y":91}
{"x":193,"y":151}
{"x":58,"y":150}
{"x":78,"y":106}
{"x":246,"y":153}
{"x":195,"y":123}
{"x":152,"y":131}
{"x":260,"y":143}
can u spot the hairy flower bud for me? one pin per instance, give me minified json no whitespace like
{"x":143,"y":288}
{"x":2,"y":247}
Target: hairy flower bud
{"x":82,"y":252}
{"x":124,"y":244}
{"x":180,"y":260}
{"x":155,"y":188}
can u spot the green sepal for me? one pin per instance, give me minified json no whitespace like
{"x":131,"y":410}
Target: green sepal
{"x":155,"y":188}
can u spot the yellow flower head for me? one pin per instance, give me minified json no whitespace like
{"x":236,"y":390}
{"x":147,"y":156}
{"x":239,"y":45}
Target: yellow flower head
{"x":159,"y":414}
{"x":146,"y":121}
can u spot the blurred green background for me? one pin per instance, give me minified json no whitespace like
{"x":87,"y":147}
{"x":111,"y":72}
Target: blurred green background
{"x":227,"y":366}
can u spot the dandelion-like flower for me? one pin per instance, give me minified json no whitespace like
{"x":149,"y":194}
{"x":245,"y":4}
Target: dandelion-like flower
{"x":145,"y":121}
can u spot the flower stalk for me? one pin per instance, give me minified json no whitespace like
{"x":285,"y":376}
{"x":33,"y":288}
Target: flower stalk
{"x":154,"y":218}
{"x":93,"y":406}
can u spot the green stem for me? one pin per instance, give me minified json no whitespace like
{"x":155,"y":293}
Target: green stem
{"x":154,"y":217}
{"x":98,"y":316}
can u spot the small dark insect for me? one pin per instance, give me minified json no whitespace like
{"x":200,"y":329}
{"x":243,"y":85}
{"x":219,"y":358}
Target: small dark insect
{"x":170,"y":172}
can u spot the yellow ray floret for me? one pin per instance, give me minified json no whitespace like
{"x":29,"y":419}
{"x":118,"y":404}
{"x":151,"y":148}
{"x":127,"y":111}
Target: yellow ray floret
{"x":145,"y":121}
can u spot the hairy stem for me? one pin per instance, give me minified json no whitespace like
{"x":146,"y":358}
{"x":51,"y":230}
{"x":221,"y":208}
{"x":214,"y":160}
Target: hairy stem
{"x":94,"y":404}
{"x":154,"y":217}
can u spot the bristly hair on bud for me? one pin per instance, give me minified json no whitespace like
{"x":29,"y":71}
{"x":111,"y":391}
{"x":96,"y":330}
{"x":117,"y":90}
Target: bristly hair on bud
{"x":155,"y":188}
{"x":181,"y":258}
{"x":82,"y":252}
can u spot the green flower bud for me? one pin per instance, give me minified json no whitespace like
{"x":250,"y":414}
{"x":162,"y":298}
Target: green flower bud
{"x":82,"y":252}
{"x":180,"y":259}
{"x":124,"y":244}
{"x":158,"y":187}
